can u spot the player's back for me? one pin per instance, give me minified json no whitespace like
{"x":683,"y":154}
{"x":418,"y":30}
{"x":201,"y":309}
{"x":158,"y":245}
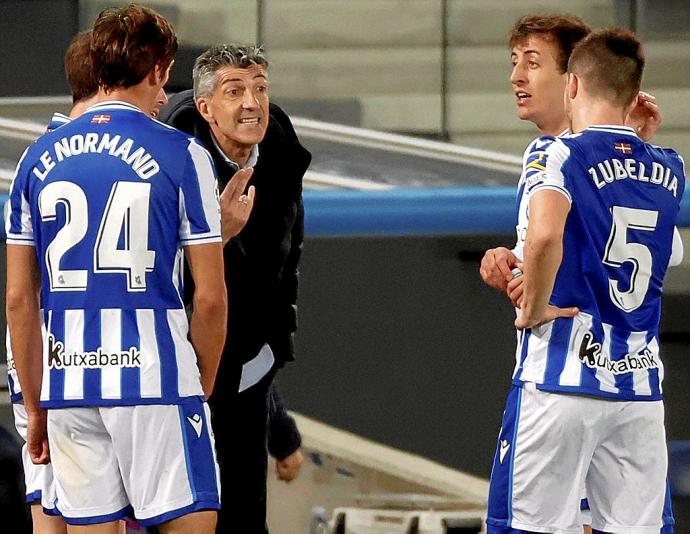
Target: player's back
{"x":112,"y":197}
{"x":625,"y":198}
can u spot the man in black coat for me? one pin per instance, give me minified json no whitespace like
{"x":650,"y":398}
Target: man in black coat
{"x":230,"y":114}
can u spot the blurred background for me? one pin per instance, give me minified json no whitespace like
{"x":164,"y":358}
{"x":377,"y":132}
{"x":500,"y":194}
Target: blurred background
{"x":407,"y":109}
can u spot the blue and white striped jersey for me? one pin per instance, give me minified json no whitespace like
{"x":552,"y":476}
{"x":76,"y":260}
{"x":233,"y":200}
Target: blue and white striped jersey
{"x":625,"y":197}
{"x":108,"y":201}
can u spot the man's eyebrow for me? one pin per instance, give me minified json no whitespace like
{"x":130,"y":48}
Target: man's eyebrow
{"x":228,"y":80}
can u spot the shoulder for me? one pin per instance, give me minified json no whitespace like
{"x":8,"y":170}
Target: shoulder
{"x":543,"y":150}
{"x":671,"y":155}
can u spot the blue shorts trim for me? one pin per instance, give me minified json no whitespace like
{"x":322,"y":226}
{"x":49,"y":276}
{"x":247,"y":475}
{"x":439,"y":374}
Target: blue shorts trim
{"x":174,"y":514}
{"x":198,"y":450}
{"x":34,"y":497}
{"x":500,"y":505}
{"x":96,"y":519}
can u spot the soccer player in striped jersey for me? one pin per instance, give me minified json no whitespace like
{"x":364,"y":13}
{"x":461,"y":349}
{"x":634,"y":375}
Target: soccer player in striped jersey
{"x":586,"y":405}
{"x":99,"y":212}
{"x":540,"y":48}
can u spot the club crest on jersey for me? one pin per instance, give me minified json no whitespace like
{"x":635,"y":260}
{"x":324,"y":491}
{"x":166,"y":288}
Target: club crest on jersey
{"x":623,"y":148}
{"x":591,"y":356}
{"x":98,"y":359}
{"x":100,"y":118}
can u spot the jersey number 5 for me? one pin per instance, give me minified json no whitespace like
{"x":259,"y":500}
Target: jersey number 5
{"x":619,"y":251}
{"x":126,"y":214}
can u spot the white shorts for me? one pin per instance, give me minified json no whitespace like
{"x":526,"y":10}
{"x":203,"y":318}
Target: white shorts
{"x":551,"y":444}
{"x":40,"y":485}
{"x":153,"y":462}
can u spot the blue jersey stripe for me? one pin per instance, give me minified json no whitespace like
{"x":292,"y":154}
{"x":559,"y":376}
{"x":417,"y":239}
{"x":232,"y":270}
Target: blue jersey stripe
{"x":166,"y":347}
{"x":588,"y":379}
{"x":92,"y":341}
{"x":130,"y":376}
{"x":619,"y":348}
{"x":57,"y":376}
{"x":558,"y":349}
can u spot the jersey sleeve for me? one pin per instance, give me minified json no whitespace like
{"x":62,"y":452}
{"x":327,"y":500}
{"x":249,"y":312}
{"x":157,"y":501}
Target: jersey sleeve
{"x":17,"y":213}
{"x":199,"y":199}
{"x":543,"y":166}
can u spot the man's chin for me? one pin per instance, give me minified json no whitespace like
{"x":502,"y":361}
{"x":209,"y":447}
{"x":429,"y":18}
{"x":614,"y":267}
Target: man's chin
{"x":253,"y":137}
{"x":524,"y":114}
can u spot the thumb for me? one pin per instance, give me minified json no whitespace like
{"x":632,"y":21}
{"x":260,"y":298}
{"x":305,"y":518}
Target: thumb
{"x":566,"y":312}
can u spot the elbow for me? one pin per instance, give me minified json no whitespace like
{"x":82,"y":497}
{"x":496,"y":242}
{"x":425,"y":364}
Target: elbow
{"x":18,"y":302}
{"x":212,"y":304}
{"x":543,"y":240}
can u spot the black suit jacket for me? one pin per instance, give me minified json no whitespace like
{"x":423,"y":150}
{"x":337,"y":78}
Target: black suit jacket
{"x":261,"y":263}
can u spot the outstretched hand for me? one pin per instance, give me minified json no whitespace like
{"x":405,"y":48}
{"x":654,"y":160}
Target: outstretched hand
{"x":550,"y":313}
{"x":645,"y":117}
{"x":235,"y":205}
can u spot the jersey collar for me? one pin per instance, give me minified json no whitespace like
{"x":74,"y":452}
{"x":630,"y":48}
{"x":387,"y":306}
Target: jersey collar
{"x":113,"y":105}
{"x":625,"y":130}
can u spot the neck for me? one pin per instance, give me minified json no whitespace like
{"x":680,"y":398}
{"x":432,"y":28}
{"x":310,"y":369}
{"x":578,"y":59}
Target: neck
{"x":82,"y":105}
{"x":237,"y":152}
{"x":554,"y":127}
{"x":593,"y":113}
{"x":137,"y":95}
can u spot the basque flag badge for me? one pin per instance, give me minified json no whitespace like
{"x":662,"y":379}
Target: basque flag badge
{"x":623,"y":148}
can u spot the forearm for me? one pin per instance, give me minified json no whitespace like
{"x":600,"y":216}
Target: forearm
{"x":543,"y":255}
{"x":208,"y":325}
{"x":27,"y":346}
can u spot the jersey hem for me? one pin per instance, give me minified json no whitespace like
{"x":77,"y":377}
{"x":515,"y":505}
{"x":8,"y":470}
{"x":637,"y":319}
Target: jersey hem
{"x":590,"y":392}
{"x":90,"y":403}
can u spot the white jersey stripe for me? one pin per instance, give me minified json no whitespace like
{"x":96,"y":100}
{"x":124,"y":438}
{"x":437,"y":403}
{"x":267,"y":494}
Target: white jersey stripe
{"x":150,"y":359}
{"x":111,"y":342}
{"x":572,"y":370}
{"x":74,"y":344}
{"x":606,"y":381}
{"x":184,"y":353}
{"x":636,"y":342}
{"x":534,"y":366}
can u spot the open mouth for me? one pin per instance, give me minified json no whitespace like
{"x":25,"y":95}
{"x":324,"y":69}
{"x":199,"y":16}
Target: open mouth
{"x":250,"y":120}
{"x":522,"y":97}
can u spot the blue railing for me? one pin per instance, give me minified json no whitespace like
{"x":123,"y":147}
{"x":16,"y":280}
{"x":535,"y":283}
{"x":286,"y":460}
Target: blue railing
{"x":401,"y":212}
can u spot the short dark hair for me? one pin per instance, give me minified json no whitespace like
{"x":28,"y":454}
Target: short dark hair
{"x":128,"y":42}
{"x":219,"y":56}
{"x":564,"y":30}
{"x":79,"y":68}
{"x":611,"y":61}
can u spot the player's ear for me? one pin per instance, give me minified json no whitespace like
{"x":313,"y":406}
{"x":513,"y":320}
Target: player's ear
{"x":203,"y":109}
{"x":572,"y":86}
